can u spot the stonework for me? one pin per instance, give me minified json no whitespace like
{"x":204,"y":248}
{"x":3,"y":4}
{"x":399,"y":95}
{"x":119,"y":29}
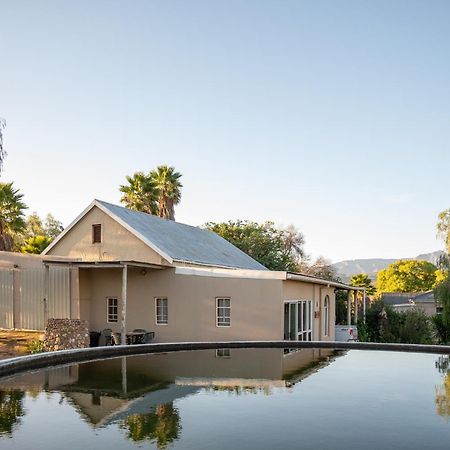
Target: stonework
{"x":65,"y":334}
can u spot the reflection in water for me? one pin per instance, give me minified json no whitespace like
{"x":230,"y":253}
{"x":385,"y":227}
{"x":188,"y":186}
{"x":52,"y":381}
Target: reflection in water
{"x":443,"y":390}
{"x":11,"y":409}
{"x":162,"y":426}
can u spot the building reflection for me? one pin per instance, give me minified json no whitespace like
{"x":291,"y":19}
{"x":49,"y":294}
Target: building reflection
{"x":139,"y":393}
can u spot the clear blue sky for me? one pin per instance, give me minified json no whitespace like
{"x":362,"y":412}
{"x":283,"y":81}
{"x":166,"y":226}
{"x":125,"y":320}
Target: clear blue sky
{"x":331,"y":115}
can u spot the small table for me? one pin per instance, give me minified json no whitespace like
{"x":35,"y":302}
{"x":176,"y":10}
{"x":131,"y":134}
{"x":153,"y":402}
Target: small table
{"x":135,"y":337}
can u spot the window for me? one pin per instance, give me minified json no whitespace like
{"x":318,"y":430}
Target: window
{"x":96,"y":233}
{"x":112,"y":310}
{"x":223,"y":312}
{"x":162,"y":311}
{"x":326,"y":315}
{"x":223,"y":353}
{"x":298,"y":320}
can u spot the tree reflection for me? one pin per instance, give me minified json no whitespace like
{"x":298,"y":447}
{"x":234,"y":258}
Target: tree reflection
{"x":162,"y":426}
{"x":442,"y":399}
{"x":11,"y":409}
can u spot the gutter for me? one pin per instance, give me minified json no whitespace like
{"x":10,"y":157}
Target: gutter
{"x":298,"y":277}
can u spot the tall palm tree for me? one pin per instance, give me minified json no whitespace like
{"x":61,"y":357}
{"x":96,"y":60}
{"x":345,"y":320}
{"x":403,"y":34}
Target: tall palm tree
{"x":140,"y":193}
{"x":168,"y":185}
{"x":12,"y":218}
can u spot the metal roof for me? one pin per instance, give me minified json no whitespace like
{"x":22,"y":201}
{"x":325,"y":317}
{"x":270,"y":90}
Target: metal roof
{"x":182,"y":243}
{"x":404,"y":298}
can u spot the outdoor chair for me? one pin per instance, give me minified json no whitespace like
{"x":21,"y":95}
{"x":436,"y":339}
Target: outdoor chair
{"x":148,"y":337}
{"x":107,"y":334}
{"x":139,"y":339}
{"x":117,"y":339}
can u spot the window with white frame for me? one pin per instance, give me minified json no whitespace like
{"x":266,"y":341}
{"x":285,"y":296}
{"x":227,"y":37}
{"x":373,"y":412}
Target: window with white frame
{"x":326,"y":315}
{"x":112,"y":310}
{"x":223,"y":312}
{"x":298,"y":320}
{"x":162,"y":311}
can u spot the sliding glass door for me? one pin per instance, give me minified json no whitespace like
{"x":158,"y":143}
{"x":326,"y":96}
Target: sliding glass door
{"x":298,"y":320}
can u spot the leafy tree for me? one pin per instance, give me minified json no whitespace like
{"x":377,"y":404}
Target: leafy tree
{"x":407,"y":276}
{"x":36,"y":244}
{"x":274,"y":248}
{"x":140,"y":193}
{"x":320,"y":268}
{"x":12,"y":219}
{"x":2,"y":148}
{"x":363,"y":280}
{"x":39,"y":234}
{"x":168,"y":187}
{"x":11,"y":409}
{"x":162,"y":426}
{"x":443,"y":227}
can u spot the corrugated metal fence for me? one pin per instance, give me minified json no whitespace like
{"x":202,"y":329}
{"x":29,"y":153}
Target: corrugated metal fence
{"x":30,"y":300}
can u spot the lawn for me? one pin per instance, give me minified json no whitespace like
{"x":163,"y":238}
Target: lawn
{"x":15,"y":343}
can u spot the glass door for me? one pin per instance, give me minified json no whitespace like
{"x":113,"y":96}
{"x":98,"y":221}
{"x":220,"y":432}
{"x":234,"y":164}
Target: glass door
{"x":298,"y":320}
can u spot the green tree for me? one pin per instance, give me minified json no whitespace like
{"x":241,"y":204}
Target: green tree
{"x":274,"y":248}
{"x":36,"y":244}
{"x":162,"y":426}
{"x":38,"y":234}
{"x":363,"y":280}
{"x":11,"y":409}
{"x":2,"y":148}
{"x":140,"y":193}
{"x":168,"y":187}
{"x":407,"y":276}
{"x":443,"y":228}
{"x":12,"y":218}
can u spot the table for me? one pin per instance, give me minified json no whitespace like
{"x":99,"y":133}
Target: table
{"x":135,"y":337}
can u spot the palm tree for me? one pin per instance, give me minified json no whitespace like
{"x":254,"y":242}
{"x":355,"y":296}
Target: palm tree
{"x":140,"y":193}
{"x":12,"y":219}
{"x":167,"y":183}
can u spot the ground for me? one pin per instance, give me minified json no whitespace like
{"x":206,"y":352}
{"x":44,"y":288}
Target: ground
{"x":15,"y":343}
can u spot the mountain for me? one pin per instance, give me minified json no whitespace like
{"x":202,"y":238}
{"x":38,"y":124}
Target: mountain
{"x":371,"y":266}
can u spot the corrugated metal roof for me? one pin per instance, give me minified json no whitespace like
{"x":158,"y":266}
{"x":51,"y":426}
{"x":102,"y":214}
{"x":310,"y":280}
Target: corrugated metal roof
{"x":184,"y":242}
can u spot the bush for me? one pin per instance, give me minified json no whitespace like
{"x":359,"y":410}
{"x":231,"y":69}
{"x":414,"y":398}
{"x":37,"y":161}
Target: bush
{"x":384,"y":324}
{"x":36,"y":346}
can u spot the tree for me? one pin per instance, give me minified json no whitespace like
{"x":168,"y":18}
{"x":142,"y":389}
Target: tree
{"x":168,"y":187}
{"x":443,"y":227}
{"x":12,"y":219}
{"x":274,"y":248}
{"x":140,"y":193}
{"x":363,"y":280}
{"x":320,"y":268}
{"x":2,"y":148}
{"x":38,"y":234}
{"x":407,"y":276}
{"x":11,"y":410}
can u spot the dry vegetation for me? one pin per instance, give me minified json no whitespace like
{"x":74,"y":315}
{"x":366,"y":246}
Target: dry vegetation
{"x":15,"y":343}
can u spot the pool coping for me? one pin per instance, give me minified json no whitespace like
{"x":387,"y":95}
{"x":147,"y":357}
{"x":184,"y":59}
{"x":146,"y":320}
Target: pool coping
{"x":17,"y":365}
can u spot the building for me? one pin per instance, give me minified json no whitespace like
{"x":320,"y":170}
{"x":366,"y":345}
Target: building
{"x":403,"y":301}
{"x":131,"y":270}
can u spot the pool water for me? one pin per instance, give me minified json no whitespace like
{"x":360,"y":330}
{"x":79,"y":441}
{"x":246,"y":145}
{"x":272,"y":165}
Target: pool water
{"x":241,"y":399}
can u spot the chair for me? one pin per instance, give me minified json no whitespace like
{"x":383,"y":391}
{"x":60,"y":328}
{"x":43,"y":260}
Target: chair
{"x":148,"y":337}
{"x":117,"y":339}
{"x":138,"y":339}
{"x":107,"y":334}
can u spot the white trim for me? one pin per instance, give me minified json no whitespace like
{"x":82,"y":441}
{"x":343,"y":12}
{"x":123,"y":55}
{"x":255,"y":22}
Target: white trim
{"x":230,"y":273}
{"x":326,"y":315}
{"x":309,"y":307}
{"x":111,"y":297}
{"x":217,"y":312}
{"x":118,"y":220}
{"x":156,"y":311}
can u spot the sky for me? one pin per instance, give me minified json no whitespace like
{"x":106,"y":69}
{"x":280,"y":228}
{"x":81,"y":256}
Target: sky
{"x":332,"y":115}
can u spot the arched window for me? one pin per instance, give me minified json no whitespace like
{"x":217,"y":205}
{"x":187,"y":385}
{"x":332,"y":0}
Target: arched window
{"x":326,"y":315}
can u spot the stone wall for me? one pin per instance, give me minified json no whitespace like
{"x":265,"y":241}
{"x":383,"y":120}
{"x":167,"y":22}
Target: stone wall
{"x":65,"y":334}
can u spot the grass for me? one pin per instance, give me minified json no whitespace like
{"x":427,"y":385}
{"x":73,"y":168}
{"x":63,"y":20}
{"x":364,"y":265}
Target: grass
{"x":17,"y":343}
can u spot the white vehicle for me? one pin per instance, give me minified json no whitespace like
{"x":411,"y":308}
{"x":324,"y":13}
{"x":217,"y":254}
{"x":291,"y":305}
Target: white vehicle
{"x":346,"y":333}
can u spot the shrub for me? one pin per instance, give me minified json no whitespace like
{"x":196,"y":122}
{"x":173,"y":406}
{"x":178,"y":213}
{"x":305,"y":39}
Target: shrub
{"x":36,"y":346}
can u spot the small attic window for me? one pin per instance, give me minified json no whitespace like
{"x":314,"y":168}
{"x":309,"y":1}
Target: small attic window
{"x":96,"y":233}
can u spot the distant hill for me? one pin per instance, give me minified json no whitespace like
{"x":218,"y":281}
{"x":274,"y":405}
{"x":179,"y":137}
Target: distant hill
{"x":371,"y":266}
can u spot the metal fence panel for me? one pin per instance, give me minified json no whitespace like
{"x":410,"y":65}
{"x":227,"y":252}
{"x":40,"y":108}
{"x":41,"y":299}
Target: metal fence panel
{"x":32,"y":299}
{"x":6,"y":298}
{"x":59,"y":293}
